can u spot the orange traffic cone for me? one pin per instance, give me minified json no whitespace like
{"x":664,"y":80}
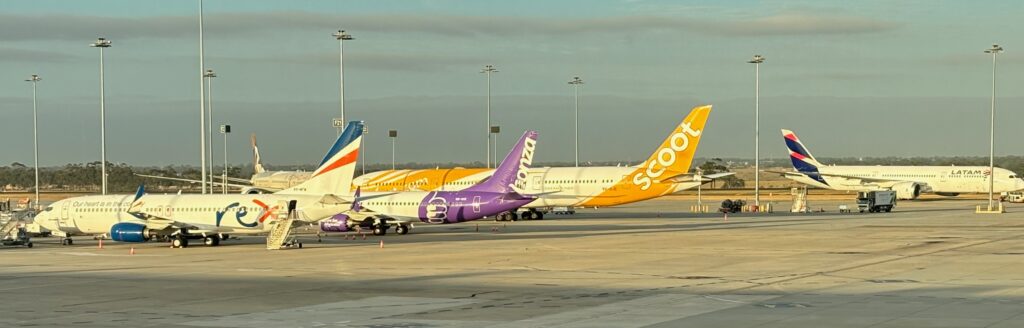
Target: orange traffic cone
{"x":132,"y":251}
{"x":382,"y":243}
{"x":101,"y":244}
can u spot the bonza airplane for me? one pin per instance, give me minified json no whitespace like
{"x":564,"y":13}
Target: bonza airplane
{"x":500,"y":193}
{"x":664,"y":172}
{"x":139,"y":217}
{"x":908,"y":181}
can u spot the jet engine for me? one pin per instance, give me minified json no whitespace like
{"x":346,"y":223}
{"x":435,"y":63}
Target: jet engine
{"x":255,"y":191}
{"x":336,"y":223}
{"x":907,"y":190}
{"x":129,"y":232}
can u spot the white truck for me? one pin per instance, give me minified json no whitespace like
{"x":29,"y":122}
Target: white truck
{"x":876,"y":201}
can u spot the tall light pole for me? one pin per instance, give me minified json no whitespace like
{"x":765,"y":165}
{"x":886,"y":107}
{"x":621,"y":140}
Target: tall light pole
{"x":224,"y":129}
{"x":202,"y":104}
{"x":494,"y":133}
{"x":341,"y":36}
{"x":758,"y":59}
{"x":102,"y":43}
{"x":362,"y":150}
{"x":35,"y":134}
{"x":576,"y":83}
{"x":488,"y":69}
{"x":394,"y":137}
{"x":209,"y":75}
{"x":995,"y":50}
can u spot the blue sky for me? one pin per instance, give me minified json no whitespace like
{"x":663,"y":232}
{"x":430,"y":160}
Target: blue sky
{"x":864,"y":78}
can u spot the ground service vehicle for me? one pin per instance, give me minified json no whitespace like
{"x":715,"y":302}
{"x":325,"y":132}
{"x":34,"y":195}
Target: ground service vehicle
{"x":876,"y":201}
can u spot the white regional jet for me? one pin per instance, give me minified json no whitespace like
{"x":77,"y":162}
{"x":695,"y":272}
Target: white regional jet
{"x":139,"y":217}
{"x":908,"y":181}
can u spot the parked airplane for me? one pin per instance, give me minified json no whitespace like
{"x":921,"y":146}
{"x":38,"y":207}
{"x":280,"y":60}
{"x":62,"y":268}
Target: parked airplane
{"x":261,"y":182}
{"x":502,"y":192}
{"x":908,"y":181}
{"x":665,"y":172}
{"x":139,"y":217}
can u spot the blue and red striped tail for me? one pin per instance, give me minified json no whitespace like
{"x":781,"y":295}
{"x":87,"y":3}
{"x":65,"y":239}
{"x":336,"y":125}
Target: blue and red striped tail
{"x":802,"y":159}
{"x":334,"y":174}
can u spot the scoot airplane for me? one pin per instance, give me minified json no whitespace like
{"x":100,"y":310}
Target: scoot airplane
{"x":139,"y":217}
{"x":665,"y":172}
{"x":908,"y":181}
{"x":501,"y":193}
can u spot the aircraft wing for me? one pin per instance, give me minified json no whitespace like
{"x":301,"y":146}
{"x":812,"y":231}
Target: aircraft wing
{"x":194,"y":181}
{"x":690,"y":177}
{"x":877,"y":181}
{"x":239,"y":180}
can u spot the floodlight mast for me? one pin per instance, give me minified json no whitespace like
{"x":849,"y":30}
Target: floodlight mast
{"x":758,"y":59}
{"x":995,"y":50}
{"x":102,"y":43}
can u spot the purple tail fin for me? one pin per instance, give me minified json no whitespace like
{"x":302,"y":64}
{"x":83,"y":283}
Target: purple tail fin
{"x":356,"y":206}
{"x":512,"y":171}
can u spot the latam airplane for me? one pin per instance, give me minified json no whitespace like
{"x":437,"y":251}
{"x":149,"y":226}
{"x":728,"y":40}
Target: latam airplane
{"x":139,"y":217}
{"x":908,"y":181}
{"x":665,"y":172}
{"x":500,"y":193}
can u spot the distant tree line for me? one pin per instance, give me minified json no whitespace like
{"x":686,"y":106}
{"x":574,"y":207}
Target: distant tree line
{"x":121,"y":177}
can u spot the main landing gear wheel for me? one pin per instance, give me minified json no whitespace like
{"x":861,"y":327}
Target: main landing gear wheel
{"x":538,"y":215}
{"x":527,"y":215}
{"x":402,"y":229}
{"x":67,"y":242}
{"x":179,"y":242}
{"x":379,"y":230}
{"x":211,"y":241}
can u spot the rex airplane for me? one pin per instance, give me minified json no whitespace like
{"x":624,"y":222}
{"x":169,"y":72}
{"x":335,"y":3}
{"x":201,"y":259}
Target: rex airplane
{"x":139,"y":217}
{"x":908,"y":181}
{"x":665,"y":172}
{"x":501,"y":193}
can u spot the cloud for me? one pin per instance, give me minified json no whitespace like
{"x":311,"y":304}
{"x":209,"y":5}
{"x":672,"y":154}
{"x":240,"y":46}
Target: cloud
{"x":81,"y":27}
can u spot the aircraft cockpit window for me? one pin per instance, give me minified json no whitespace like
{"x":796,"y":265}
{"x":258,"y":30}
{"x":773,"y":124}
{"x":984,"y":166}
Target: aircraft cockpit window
{"x":1013,"y":176}
{"x":48,"y":208}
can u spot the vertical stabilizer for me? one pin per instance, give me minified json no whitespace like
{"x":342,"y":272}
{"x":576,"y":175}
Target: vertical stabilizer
{"x":334,"y":174}
{"x":512,"y":172}
{"x":802,"y":159}
{"x":675,"y":154}
{"x":257,"y":163}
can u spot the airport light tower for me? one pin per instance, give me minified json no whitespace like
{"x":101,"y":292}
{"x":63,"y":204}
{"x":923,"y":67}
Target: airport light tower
{"x":488,"y":69}
{"x":35,"y":133}
{"x":225,"y":129}
{"x":209,"y":75}
{"x":995,"y":50}
{"x":394,"y":137}
{"x":758,"y":59}
{"x":576,"y":83}
{"x":202,"y":104}
{"x":341,"y":36}
{"x":102,"y":43}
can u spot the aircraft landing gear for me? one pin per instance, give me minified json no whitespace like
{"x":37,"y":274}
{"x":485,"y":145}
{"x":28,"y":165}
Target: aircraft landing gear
{"x":507,"y":216}
{"x":380,"y":230}
{"x":211,"y":241}
{"x":402,"y":229}
{"x":67,"y":241}
{"x":179,"y":241}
